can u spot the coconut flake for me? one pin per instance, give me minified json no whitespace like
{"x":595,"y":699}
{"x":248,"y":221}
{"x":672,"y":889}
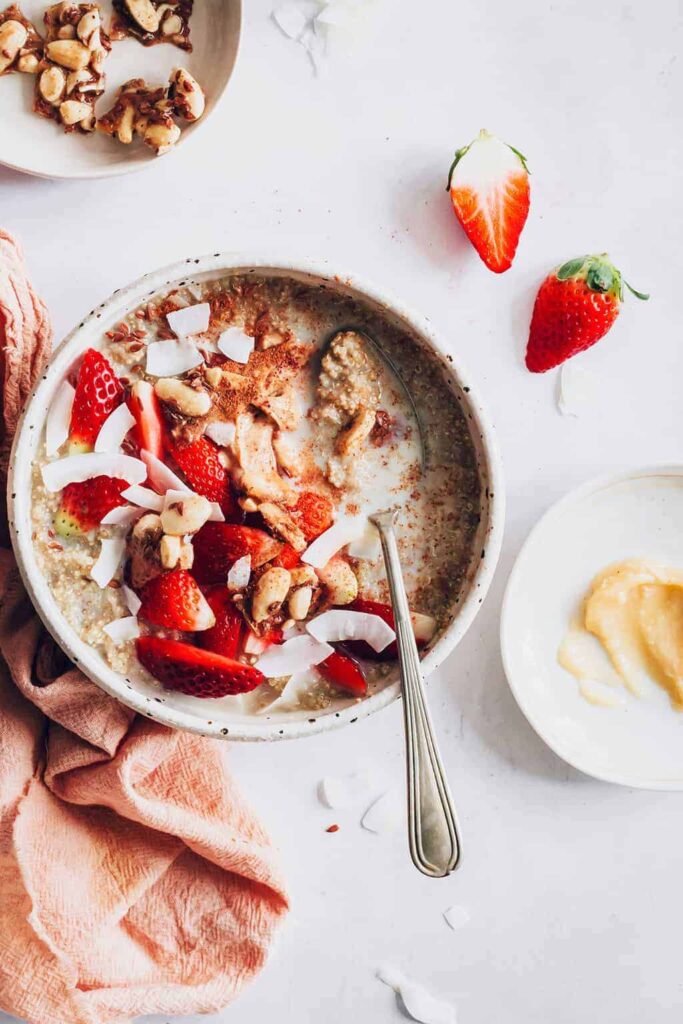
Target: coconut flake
{"x":122,"y":630}
{"x":291,"y":18}
{"x":255,"y":644}
{"x":75,"y":469}
{"x":578,"y":387}
{"x":221,"y":433}
{"x":344,"y":790}
{"x":133,"y":602}
{"x":171,"y":358}
{"x":236,"y":345}
{"x":296,"y":655}
{"x":109,"y":560}
{"x":190,"y":320}
{"x":326,"y":546}
{"x":59,"y":418}
{"x":385,"y":814}
{"x":424,"y":626}
{"x":240,"y":574}
{"x":122,"y":515}
{"x":456,"y":917}
{"x":368,"y":546}
{"x":161,"y":477}
{"x":289,"y":699}
{"x":339,"y":624}
{"x":114,"y":429}
{"x":144,"y":497}
{"x":420,"y":1004}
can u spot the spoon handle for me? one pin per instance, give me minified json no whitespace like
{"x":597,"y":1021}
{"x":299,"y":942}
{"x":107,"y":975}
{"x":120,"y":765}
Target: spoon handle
{"x":432,"y":823}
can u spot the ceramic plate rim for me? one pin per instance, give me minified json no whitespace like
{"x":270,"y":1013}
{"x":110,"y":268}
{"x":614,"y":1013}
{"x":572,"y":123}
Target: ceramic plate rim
{"x":575,"y":496}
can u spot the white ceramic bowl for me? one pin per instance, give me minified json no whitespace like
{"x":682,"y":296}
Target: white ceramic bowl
{"x":216,"y":718}
{"x":36,"y":146}
{"x":631,"y":515}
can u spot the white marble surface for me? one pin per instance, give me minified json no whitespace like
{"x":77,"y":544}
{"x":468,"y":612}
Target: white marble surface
{"x":573,"y":887}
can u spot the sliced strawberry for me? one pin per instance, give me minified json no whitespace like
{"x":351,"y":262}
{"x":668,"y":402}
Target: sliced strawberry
{"x":83,"y":506}
{"x":287,"y":558}
{"x":98,"y":393}
{"x":313,"y":513}
{"x":344,"y":673}
{"x":195,"y":671}
{"x":226,"y":636}
{"x":149,"y":420}
{"x":174,"y":600}
{"x":489,"y":186}
{"x":363,"y":650}
{"x":204,"y":472}
{"x":217,"y":547}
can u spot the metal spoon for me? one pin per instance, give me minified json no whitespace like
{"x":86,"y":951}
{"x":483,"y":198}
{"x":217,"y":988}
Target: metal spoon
{"x":432,"y":823}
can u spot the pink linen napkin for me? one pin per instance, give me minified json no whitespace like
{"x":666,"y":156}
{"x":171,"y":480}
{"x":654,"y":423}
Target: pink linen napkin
{"x":133,"y":878}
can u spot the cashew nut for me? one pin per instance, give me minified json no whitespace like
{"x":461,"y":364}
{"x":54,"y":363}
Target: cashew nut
{"x":51,"y":84}
{"x":185,"y":515}
{"x":13,"y":35}
{"x":160,"y":137}
{"x":169,"y":551}
{"x":69,"y":53}
{"x":74,"y":112}
{"x":300,"y":602}
{"x":185,"y":399}
{"x":340,"y":582}
{"x":188,"y":97}
{"x":144,"y":13}
{"x":269,"y":593}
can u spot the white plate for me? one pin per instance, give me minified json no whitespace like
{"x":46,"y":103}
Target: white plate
{"x":635,"y":515}
{"x":32,"y":144}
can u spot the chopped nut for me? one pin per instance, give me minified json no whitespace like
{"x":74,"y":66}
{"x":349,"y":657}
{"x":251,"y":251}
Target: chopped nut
{"x":248,"y":505}
{"x":13,"y":35}
{"x":89,"y":23}
{"x":304,"y":575}
{"x":149,"y":526}
{"x":66,"y":32}
{"x":169,"y":551}
{"x":185,"y":399}
{"x":69,"y":53}
{"x":186,"y":515}
{"x":269,"y":593}
{"x":213,"y":376}
{"x":28,"y":63}
{"x":145,"y":14}
{"x":52,"y":84}
{"x":74,"y":111}
{"x":160,"y":137}
{"x":186,"y":560}
{"x":187,"y":95}
{"x":300,"y":602}
{"x":340,"y":582}
{"x":171,"y":25}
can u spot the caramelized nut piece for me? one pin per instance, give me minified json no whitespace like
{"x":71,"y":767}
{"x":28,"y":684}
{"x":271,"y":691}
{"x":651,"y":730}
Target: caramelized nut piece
{"x":69,"y":53}
{"x":186,"y":515}
{"x":145,"y":13}
{"x":52,"y":84}
{"x":89,"y":23}
{"x":13,"y":35}
{"x":171,"y":25}
{"x":299,"y":603}
{"x":160,"y":137}
{"x":28,"y":63}
{"x":66,"y":32}
{"x":213,"y":375}
{"x":184,"y":398}
{"x":340,"y":582}
{"x":269,"y":593}
{"x":187,"y":94}
{"x":75,"y":112}
{"x":169,"y":551}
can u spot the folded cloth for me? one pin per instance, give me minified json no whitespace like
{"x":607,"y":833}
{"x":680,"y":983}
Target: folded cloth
{"x":133,"y":879}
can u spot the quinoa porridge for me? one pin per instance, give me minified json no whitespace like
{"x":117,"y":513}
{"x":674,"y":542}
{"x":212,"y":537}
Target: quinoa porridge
{"x":201,"y":495}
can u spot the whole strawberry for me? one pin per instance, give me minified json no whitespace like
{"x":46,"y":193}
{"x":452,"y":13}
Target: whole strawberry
{"x":489,"y":187}
{"x":576,"y":305}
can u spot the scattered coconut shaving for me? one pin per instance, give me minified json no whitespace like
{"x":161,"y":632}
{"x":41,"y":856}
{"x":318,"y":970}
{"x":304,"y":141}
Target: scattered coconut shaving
{"x":171,"y":358}
{"x":578,"y":387}
{"x":255,"y":644}
{"x":133,"y":602}
{"x":109,"y":560}
{"x":296,"y":655}
{"x":190,"y":320}
{"x":344,"y":790}
{"x":122,"y":515}
{"x":114,"y":429}
{"x":74,"y":469}
{"x":456,"y":917}
{"x":289,"y":698}
{"x":385,"y":814}
{"x":418,"y":1003}
{"x":123,"y":630}
{"x":311,"y":23}
{"x":368,"y":546}
{"x":340,"y":624}
{"x":145,"y":497}
{"x":160,"y":476}
{"x":240,"y":574}
{"x":221,"y":433}
{"x":326,"y":546}
{"x":236,"y":345}
{"x":59,"y":418}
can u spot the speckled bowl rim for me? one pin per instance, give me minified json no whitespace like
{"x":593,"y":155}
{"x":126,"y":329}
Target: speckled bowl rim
{"x":19,"y":497}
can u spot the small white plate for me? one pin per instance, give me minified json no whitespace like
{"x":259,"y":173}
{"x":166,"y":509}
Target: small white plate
{"x":37,"y":146}
{"x":634,"y":515}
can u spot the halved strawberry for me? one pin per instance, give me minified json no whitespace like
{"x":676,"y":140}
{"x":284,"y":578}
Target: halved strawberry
{"x":489,"y":186}
{"x":174,"y":600}
{"x":390,"y":653}
{"x":83,"y":506}
{"x":149,"y":420}
{"x":313,"y":513}
{"x":205,"y":473}
{"x":217,"y":547}
{"x":287,"y":558}
{"x":344,"y":673}
{"x":226,"y":636}
{"x":98,"y":393}
{"x":195,"y":671}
